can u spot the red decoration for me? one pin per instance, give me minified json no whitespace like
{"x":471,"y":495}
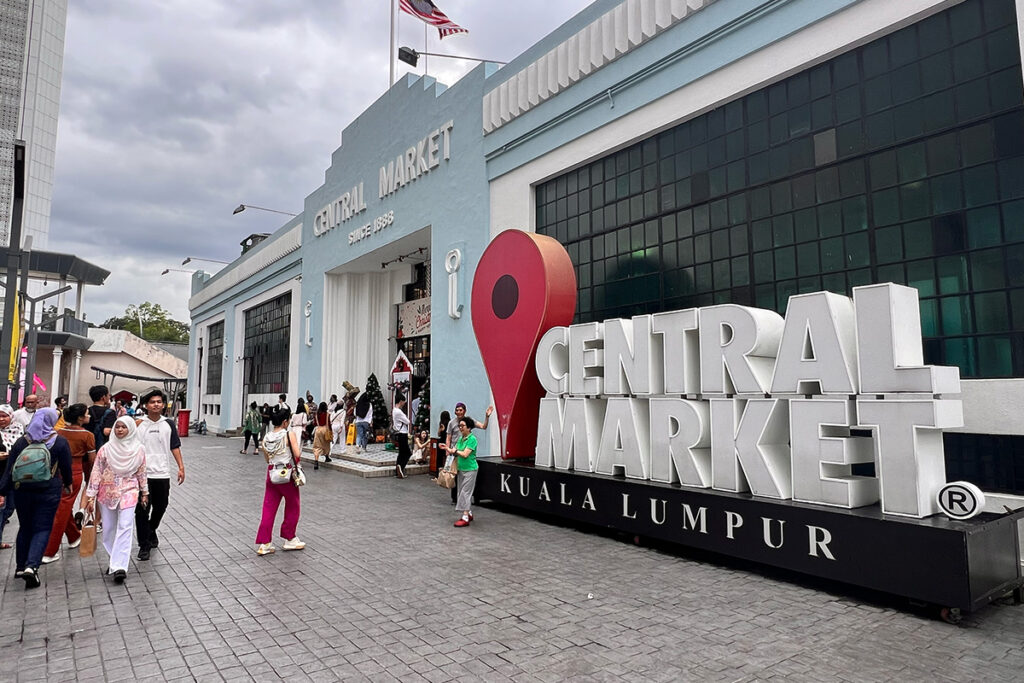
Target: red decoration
{"x":524,"y":285}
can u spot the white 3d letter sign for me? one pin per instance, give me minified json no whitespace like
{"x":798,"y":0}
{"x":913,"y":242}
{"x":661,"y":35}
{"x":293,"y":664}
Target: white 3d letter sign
{"x":738,"y":399}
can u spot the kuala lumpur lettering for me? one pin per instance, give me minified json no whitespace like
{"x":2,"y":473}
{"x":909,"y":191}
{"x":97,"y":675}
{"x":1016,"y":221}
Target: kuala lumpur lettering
{"x":740,"y":399}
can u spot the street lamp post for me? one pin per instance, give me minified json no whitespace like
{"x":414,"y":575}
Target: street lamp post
{"x":411,"y":56}
{"x":242,"y":207}
{"x":189,"y":259}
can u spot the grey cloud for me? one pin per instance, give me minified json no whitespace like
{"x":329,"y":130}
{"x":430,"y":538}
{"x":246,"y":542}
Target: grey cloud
{"x":173,"y":113}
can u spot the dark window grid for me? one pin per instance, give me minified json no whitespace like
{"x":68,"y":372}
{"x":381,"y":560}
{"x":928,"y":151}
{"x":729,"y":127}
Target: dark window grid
{"x":717,"y":292}
{"x":215,"y":358}
{"x":267,"y":344}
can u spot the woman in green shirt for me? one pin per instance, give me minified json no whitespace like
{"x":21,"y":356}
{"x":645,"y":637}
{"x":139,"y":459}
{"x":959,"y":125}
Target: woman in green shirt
{"x":465,"y":450}
{"x":251,"y":428}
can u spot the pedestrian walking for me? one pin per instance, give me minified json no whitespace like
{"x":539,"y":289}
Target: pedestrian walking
{"x":161,"y":443}
{"x":338,"y":423}
{"x":83,"y":450}
{"x":364,"y":420}
{"x":298,"y":421}
{"x":265,"y":411}
{"x":251,"y":426}
{"x":400,"y":434}
{"x":281,"y":449}
{"x":9,"y":433}
{"x":321,"y":436}
{"x":465,"y":450}
{"x":36,"y":499}
{"x":119,"y":486}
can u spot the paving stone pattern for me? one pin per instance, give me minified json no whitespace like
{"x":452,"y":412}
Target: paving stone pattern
{"x":387,"y":589}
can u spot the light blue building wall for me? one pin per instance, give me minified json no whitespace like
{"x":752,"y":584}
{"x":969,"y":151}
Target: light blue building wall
{"x":443,"y":209}
{"x":345,"y":289}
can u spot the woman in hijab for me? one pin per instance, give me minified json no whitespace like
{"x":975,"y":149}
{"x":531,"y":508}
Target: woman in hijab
{"x":118,"y":483}
{"x":9,"y":433}
{"x":37,"y":502}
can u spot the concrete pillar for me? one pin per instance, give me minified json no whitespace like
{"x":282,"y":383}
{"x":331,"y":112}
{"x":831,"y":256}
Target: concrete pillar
{"x":73,"y":390}
{"x":55,"y":375}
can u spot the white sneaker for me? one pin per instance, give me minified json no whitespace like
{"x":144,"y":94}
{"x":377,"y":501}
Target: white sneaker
{"x":265,"y":549}
{"x":47,"y":559}
{"x":294,"y":544}
{"x":77,"y":543}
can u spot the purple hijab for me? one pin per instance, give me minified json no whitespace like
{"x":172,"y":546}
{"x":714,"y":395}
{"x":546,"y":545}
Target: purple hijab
{"x":41,"y":426}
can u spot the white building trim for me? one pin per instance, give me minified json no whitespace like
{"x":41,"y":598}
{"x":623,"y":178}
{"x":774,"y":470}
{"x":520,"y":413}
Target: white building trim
{"x":249,"y":265}
{"x":604,"y":40}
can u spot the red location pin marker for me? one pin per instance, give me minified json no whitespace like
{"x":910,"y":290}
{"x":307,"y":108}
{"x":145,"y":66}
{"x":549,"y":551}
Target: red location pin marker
{"x":524,"y":285}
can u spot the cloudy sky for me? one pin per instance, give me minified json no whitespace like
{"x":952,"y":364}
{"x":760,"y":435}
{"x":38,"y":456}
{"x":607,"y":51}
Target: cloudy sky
{"x":173,"y":112}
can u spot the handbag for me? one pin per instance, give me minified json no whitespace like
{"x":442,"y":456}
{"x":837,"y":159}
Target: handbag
{"x":446,"y":477}
{"x":298,"y":476}
{"x":280,"y":474}
{"x":88,"y":544}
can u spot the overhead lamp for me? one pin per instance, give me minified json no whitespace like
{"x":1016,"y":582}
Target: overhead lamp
{"x":242,"y":207}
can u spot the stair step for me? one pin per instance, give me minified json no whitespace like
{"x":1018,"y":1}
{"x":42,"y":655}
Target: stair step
{"x":363,"y":469}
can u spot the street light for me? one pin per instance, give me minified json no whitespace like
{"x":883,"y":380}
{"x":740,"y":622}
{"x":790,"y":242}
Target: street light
{"x":242,"y":207}
{"x":199,"y":258}
{"x":177,"y":270}
{"x":411,"y":57}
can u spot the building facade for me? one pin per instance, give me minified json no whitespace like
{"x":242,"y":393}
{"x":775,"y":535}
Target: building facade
{"x":31,"y":67}
{"x":689,"y":153}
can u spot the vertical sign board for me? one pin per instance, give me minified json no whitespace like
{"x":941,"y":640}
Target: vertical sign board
{"x":733,"y":430}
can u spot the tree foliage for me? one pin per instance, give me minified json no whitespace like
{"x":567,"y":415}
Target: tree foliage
{"x":381,"y":414}
{"x":157,"y":325}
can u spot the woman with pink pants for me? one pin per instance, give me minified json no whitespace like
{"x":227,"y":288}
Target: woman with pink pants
{"x":281,"y":450}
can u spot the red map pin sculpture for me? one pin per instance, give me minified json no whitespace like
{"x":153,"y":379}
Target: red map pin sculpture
{"x":524,"y":285}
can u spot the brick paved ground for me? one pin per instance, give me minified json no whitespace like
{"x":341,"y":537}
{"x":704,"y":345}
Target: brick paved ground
{"x":370,"y":598}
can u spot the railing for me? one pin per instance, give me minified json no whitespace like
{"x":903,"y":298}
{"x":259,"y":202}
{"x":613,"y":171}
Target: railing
{"x":72,"y":325}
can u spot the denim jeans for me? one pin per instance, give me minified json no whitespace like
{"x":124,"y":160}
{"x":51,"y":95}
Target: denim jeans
{"x":362,"y":433}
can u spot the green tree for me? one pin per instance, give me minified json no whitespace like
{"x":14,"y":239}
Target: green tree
{"x":151,"y":322}
{"x":381,"y":414}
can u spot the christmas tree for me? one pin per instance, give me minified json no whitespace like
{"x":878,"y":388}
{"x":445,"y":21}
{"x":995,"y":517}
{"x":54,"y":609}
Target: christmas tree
{"x":422,"y":419}
{"x":381,"y":414}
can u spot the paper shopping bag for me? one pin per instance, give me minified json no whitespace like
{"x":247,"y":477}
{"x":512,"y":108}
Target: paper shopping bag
{"x":88,"y":545}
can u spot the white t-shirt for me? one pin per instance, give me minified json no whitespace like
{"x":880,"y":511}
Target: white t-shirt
{"x":399,"y":420}
{"x":158,"y":438}
{"x":23,"y":416}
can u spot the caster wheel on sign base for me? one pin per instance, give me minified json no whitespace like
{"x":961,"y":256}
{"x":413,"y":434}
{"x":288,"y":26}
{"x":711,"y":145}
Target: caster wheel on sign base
{"x":951,"y":615}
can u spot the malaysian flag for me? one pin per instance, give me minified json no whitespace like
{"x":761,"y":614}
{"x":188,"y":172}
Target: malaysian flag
{"x":428,"y":12}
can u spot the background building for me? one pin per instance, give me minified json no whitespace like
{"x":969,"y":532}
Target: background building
{"x":31,"y":65}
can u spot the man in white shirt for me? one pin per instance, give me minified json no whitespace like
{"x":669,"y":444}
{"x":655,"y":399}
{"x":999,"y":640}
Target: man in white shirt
{"x":27,"y":411}
{"x":160,"y":440}
{"x":281,"y":405}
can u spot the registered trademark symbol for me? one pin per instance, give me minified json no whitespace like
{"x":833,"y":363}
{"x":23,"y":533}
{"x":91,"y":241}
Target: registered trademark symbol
{"x":961,"y":500}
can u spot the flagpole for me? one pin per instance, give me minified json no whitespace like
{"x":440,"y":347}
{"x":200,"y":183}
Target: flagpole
{"x":391,"y":46}
{"x":425,"y":28}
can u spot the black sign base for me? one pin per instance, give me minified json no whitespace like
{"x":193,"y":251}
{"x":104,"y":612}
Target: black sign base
{"x":935,"y":560}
